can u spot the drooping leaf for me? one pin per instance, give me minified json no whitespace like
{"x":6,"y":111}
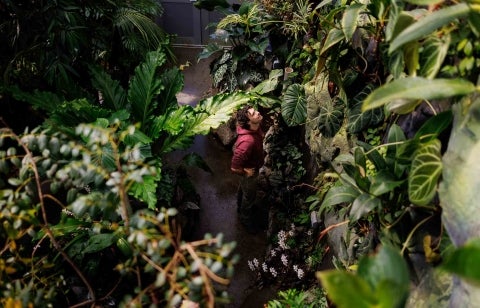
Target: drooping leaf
{"x":425,"y":171}
{"x":434,"y":52}
{"x":460,"y":184}
{"x":434,"y":126}
{"x":334,"y":36}
{"x":423,"y":2}
{"x":429,"y":23}
{"x":474,"y":22}
{"x":373,"y":155}
{"x":269,"y":84}
{"x":463,"y":261}
{"x":338,"y":283}
{"x":339,"y":194}
{"x":350,"y":19}
{"x":386,"y":269}
{"x":209,"y":50}
{"x":395,"y":138}
{"x":294,"y":105}
{"x":363,"y":205}
{"x":417,"y":88}
{"x":384,"y":182}
{"x":331,"y":116}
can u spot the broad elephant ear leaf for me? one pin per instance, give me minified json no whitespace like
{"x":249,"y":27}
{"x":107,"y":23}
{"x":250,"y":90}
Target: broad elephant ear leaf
{"x":331,"y":116}
{"x":294,"y":105}
{"x":424,"y":174}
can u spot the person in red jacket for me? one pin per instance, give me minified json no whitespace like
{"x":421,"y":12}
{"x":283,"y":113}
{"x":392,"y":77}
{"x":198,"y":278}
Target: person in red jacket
{"x":247,"y":159}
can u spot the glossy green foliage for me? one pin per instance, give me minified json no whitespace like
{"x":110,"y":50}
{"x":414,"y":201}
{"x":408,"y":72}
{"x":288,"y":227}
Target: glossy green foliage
{"x":294,"y":105}
{"x":381,"y":280}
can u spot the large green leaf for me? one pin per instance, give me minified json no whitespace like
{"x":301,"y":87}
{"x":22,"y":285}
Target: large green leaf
{"x":433,"y":54}
{"x":347,"y":290}
{"x":209,"y":50}
{"x":383,"y":182}
{"x":363,"y":205}
{"x":429,"y":23}
{"x":331,"y":116}
{"x":114,"y":96}
{"x":218,"y":109}
{"x":269,"y":84}
{"x":334,"y":36}
{"x":146,"y":191}
{"x":145,"y":86}
{"x":395,"y":138}
{"x":294,"y":105}
{"x":350,"y":19}
{"x":386,"y":272}
{"x":424,"y":173}
{"x":417,"y":88}
{"x":373,"y":155}
{"x":358,"y":119}
{"x":173,"y":82}
{"x":463,"y":261}
{"x":460,"y":184}
{"x":339,"y":194}
{"x":434,"y":126}
{"x":99,"y":242}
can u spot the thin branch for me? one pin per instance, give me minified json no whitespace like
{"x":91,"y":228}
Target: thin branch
{"x":48,"y":231}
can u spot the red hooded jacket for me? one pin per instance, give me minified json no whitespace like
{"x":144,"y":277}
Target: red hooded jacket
{"x":248,"y":149}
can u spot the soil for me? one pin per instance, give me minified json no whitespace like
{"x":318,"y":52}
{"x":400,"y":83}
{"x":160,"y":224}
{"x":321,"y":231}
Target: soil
{"x":217,"y":191}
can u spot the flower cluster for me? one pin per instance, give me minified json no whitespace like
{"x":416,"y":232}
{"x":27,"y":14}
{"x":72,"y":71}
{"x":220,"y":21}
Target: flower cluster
{"x":283,"y":263}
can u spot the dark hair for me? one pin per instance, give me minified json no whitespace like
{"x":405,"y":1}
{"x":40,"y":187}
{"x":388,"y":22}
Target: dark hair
{"x":242,"y":117}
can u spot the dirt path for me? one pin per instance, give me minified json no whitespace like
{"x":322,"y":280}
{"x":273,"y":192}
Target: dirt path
{"x":218,"y":192}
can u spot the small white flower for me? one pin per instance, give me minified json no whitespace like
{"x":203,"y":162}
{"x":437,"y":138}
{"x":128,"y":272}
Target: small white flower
{"x":295,"y":268}
{"x":273,"y":252}
{"x":309,"y":232}
{"x":255,"y":262}
{"x":251,"y":266}
{"x":284,"y":260}
{"x":273,"y":272}
{"x":264,"y":267}
{"x":300,"y":273}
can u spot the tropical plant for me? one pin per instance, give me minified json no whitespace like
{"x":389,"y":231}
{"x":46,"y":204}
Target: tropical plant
{"x":107,"y":179}
{"x":52,"y":43}
{"x":419,"y":52}
{"x":72,"y":235}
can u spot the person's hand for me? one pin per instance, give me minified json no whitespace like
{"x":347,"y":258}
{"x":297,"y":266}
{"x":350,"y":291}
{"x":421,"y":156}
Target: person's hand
{"x":249,"y":172}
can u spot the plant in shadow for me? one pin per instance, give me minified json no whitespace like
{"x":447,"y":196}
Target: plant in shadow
{"x":90,"y":188}
{"x":74,"y":234}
